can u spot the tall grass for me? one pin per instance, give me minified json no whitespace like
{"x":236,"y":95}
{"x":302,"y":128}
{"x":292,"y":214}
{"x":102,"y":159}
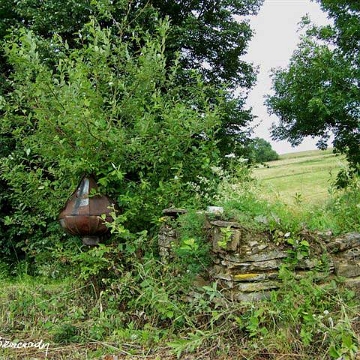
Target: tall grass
{"x":305,"y":176}
{"x":120,"y":300}
{"x":341,"y":213}
{"x":256,"y":205}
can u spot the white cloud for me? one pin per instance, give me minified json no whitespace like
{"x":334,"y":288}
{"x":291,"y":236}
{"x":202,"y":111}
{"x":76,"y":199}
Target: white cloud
{"x":276,"y":38}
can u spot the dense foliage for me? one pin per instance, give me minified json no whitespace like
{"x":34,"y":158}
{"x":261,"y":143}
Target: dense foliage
{"x":108,"y":95}
{"x":319,"y":93}
{"x":102,"y":110}
{"x":50,"y":64}
{"x":210,"y":37}
{"x":261,"y":151}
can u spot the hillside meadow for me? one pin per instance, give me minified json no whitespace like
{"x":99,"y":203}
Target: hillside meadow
{"x":304,"y":177}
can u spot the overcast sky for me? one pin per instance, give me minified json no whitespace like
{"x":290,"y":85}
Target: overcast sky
{"x":276,"y":37}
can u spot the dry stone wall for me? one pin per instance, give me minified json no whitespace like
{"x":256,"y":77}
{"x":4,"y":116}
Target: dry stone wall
{"x":246,"y":263}
{"x":345,"y":254}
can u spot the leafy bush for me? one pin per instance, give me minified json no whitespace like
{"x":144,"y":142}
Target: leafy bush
{"x":108,"y":111}
{"x":260,"y":151}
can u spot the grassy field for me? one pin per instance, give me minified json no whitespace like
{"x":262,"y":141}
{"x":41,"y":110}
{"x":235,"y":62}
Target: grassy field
{"x":303,"y":177}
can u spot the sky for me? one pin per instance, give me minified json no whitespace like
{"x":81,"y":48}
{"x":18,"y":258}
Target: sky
{"x":276,"y":37}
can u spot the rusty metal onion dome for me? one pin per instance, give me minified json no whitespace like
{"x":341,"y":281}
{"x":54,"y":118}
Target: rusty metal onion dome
{"x":82,"y":211}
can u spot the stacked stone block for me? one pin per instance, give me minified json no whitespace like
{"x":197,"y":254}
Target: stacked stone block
{"x":246,"y":262}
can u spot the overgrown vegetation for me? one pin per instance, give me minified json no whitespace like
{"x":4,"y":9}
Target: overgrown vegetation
{"x":126,"y":301}
{"x":254,"y":202}
{"x":109,"y":102}
{"x":201,"y":32}
{"x":102,"y":110}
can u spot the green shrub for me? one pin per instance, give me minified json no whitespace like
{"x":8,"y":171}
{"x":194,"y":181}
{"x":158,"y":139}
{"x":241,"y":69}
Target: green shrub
{"x":341,"y":213}
{"x":102,"y":109}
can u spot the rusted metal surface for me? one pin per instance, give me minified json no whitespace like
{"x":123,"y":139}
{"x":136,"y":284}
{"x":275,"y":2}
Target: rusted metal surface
{"x":81,"y":214}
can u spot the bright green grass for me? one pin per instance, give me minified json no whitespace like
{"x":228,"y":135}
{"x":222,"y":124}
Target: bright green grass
{"x":303,"y":177}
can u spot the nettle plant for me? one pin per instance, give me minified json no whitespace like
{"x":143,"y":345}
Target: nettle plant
{"x":108,"y":108}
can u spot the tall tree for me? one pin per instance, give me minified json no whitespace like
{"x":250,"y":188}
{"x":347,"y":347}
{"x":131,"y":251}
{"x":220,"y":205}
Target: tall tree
{"x":318,"y":94}
{"x":260,"y":151}
{"x":211,"y":36}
